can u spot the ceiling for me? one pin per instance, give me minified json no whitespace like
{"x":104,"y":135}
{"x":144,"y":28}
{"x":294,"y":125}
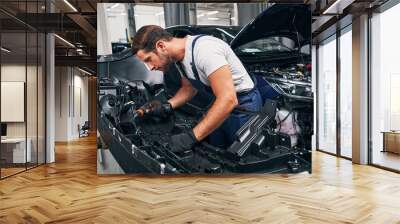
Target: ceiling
{"x":330,"y":16}
{"x":74,"y":22}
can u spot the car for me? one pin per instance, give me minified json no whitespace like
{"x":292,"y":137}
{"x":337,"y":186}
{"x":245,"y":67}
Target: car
{"x":274,"y":48}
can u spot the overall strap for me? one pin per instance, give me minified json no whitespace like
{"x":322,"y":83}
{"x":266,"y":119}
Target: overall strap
{"x":193,"y":64}
{"x":181,"y":69}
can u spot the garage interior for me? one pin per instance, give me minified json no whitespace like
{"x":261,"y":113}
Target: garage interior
{"x":48,"y":167}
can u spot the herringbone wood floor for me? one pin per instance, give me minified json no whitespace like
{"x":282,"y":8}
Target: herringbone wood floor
{"x":70,"y":191}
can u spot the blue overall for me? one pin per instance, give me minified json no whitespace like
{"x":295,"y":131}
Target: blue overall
{"x":251,"y":100}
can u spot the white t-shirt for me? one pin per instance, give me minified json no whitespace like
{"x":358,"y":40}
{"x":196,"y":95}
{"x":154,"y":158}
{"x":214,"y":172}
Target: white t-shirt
{"x":210,"y":54}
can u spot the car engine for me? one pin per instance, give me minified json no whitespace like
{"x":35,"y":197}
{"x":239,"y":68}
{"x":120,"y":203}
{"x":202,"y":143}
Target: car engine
{"x":290,"y":86}
{"x":293,"y":81}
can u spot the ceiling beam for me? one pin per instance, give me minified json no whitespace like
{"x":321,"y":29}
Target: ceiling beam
{"x":86,"y":27}
{"x":83,"y":61}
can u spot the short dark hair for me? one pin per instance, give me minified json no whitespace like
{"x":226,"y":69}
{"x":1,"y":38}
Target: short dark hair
{"x":147,"y":37}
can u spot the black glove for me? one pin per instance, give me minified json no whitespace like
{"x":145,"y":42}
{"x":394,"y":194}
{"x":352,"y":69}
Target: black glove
{"x":157,"y":108}
{"x":183,"y":141}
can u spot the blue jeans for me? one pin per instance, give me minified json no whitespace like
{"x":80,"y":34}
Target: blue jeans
{"x":224,"y":136}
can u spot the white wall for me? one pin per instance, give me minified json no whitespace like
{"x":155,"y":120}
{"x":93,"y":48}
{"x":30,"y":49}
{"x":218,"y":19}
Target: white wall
{"x":14,"y":72}
{"x":117,"y":21}
{"x":149,"y":15}
{"x":112,"y":25}
{"x":69,"y":82}
{"x":33,"y":126}
{"x":61,"y":103}
{"x":221,"y":18}
{"x":79,"y":118}
{"x":17,"y":72}
{"x":103,"y":42}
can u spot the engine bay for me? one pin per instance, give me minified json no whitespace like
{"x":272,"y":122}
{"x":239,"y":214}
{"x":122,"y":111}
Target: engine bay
{"x":292,"y":80}
{"x":142,"y":145}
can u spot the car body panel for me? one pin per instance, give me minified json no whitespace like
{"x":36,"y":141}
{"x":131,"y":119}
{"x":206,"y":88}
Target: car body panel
{"x":286,"y":20}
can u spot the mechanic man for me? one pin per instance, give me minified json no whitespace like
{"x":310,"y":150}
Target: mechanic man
{"x":208,"y":65}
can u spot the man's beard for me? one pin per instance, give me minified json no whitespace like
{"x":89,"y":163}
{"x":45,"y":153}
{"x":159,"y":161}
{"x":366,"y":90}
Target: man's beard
{"x":166,"y":62}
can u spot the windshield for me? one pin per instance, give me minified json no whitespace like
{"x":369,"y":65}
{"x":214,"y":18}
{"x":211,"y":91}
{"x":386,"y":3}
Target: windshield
{"x":267,"y":46}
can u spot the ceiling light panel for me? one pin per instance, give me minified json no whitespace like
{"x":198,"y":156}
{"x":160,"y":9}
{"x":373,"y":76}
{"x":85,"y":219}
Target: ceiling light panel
{"x":64,"y":40}
{"x":70,"y":5}
{"x":5,"y":50}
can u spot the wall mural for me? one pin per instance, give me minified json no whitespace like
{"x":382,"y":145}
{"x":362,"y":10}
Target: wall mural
{"x":159,"y":121}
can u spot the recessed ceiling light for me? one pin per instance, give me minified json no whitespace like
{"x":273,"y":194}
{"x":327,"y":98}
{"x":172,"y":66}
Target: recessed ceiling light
{"x":114,"y":6}
{"x":213,"y":18}
{"x":5,"y":50}
{"x":64,"y":40}
{"x":70,"y":5}
{"x":212,"y":12}
{"x":337,"y":7}
{"x":86,"y":72}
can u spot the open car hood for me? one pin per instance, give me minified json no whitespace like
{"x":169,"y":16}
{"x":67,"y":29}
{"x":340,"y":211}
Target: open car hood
{"x":292,"y":21}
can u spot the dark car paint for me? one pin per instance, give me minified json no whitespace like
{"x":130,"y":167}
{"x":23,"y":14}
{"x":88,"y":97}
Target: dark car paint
{"x":280,"y":20}
{"x":292,"y":21}
{"x":284,"y":20}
